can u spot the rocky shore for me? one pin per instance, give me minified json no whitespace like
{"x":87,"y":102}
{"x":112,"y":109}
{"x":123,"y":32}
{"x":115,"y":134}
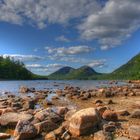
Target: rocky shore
{"x":109,"y":113}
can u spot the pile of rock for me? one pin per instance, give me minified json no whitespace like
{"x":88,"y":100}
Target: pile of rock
{"x":77,"y":93}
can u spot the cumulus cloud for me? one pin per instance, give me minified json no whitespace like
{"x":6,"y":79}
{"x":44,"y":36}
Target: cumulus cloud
{"x":41,"y":12}
{"x":44,"y":68}
{"x":23,"y":58}
{"x":62,"y":39}
{"x":97,"y":63}
{"x":34,"y":66}
{"x":73,"y":50}
{"x":113,"y":24}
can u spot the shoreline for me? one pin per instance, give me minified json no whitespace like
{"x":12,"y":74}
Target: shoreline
{"x":119,"y":100}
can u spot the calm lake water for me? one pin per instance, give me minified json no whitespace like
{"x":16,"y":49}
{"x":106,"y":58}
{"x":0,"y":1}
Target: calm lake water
{"x":13,"y":86}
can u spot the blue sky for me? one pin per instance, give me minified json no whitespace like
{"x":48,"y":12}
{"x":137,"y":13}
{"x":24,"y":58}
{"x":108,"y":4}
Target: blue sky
{"x":49,"y":34}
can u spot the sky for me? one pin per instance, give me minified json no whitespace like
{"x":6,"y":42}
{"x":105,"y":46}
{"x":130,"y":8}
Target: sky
{"x":49,"y":34}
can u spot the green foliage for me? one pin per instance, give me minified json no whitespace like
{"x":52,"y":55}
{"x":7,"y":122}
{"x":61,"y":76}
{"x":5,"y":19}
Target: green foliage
{"x":82,"y":73}
{"x":129,"y":71}
{"x":61,"y":73}
{"x":10,"y":69}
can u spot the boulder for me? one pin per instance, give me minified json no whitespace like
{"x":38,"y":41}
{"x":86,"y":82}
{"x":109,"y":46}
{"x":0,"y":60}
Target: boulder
{"x":54,"y":135}
{"x":134,"y":132}
{"x":48,"y":114}
{"x":84,"y":121}
{"x":24,"y":89}
{"x":110,"y":115}
{"x":101,"y":109}
{"x":61,"y":110}
{"x":24,"y":130}
{"x":69,"y":114}
{"x":4,"y":136}
{"x":59,"y":92}
{"x":41,"y":115}
{"x":6,"y":110}
{"x":45,"y":126}
{"x":109,"y":128}
{"x":12,"y":118}
{"x":29,"y":104}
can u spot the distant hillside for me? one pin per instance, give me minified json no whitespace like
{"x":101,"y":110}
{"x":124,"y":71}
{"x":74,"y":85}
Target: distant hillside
{"x":130,"y":70}
{"x":83,"y":72}
{"x":61,"y":73}
{"x":15,"y":70}
{"x":70,"y":73}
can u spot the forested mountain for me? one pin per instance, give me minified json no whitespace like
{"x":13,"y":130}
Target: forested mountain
{"x":128,"y":71}
{"x":10,"y":69}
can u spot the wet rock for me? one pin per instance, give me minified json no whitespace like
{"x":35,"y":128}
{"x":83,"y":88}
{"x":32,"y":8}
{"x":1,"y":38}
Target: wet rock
{"x":48,"y":114}
{"x":136,"y":114}
{"x":101,"y":109}
{"x":24,"y":89}
{"x":4,"y":136}
{"x":84,"y":121}
{"x":45,"y":126}
{"x":55,"y":98}
{"x":100,"y":135}
{"x":59,"y":92}
{"x":24,"y":130}
{"x":134,"y":132}
{"x":29,"y":104}
{"x":109,"y":128}
{"x":41,"y":115}
{"x":110,"y":115}
{"x":61,"y":110}
{"x":12,"y":118}
{"x":39,"y":96}
{"x":87,"y":95}
{"x":56,"y":134}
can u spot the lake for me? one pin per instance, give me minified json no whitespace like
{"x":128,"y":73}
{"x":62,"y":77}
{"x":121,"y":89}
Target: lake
{"x":13,"y":86}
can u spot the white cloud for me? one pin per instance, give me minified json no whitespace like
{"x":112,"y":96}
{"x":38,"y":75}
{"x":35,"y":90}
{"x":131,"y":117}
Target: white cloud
{"x":44,"y":68}
{"x":23,"y":58}
{"x":113,"y":24}
{"x":62,"y":39}
{"x":73,"y":50}
{"x":97,"y":63}
{"x":41,"y":12}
